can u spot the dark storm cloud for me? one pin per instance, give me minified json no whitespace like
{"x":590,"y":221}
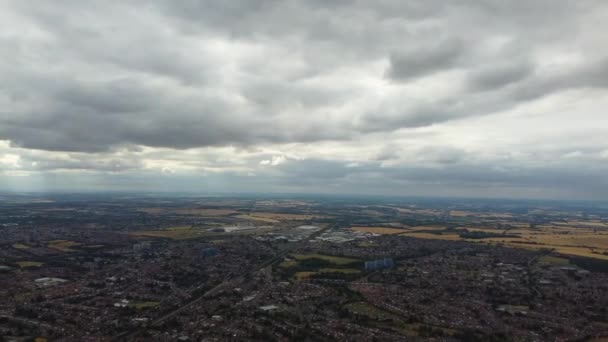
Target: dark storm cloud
{"x":453,"y":174}
{"x":593,"y":74}
{"x":287,"y":91}
{"x":93,"y":76}
{"x":497,"y":76}
{"x":424,"y":60}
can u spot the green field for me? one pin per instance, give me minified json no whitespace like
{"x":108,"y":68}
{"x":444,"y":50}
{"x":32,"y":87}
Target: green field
{"x":339,"y":270}
{"x":174,"y":233}
{"x":21,"y":246}
{"x":553,"y":260}
{"x":306,"y":265}
{"x":26,"y":264}
{"x":329,"y":258}
{"x":144,"y":305}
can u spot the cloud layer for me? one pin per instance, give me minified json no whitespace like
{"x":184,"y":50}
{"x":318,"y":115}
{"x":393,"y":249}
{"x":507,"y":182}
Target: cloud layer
{"x":464,"y":98}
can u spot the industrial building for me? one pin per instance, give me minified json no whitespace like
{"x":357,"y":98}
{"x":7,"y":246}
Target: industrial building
{"x":379,"y":264}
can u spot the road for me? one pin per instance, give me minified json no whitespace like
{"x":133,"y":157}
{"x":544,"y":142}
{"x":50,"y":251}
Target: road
{"x":231,"y":283}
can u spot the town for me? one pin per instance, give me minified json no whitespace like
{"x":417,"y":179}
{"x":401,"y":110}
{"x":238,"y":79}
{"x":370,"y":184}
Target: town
{"x":143,"y":268}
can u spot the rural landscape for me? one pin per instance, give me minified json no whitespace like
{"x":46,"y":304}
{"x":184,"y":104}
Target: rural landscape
{"x":140,"y":268}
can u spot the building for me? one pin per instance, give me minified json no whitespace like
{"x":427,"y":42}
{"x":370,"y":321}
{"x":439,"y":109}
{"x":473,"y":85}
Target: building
{"x":47,"y":281}
{"x":142,"y":246}
{"x":379,"y":264}
{"x":209,"y":252}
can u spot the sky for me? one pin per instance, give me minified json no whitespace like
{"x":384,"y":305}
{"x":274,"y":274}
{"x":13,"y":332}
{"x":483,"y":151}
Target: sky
{"x":461,"y":98}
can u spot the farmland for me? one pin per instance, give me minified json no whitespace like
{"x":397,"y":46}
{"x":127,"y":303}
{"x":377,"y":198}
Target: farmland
{"x":144,"y":305}
{"x":174,"y":233}
{"x":329,"y":258}
{"x":284,"y":217}
{"x":63,"y":245}
{"x":580,"y":240}
{"x":379,"y":230}
{"x":26,"y":264}
{"x":257,"y":218}
{"x":21,"y":246}
{"x":188,"y":211}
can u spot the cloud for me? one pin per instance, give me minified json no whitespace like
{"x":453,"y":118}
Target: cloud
{"x":424,"y":60}
{"x":497,"y":76}
{"x":298,"y":92}
{"x":276,"y":160}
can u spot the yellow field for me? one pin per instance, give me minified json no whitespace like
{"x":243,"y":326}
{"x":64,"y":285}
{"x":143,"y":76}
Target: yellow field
{"x":378,"y":230}
{"x":566,"y":240}
{"x":63,"y":245}
{"x":576,"y":251}
{"x":26,"y":264}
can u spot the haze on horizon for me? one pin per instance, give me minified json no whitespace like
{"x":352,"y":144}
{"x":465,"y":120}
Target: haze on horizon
{"x":412,"y":98}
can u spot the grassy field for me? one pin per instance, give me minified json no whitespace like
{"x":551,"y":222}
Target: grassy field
{"x":553,"y":260}
{"x":188,"y":232}
{"x":379,"y":230}
{"x":284,"y":217}
{"x":428,"y":212}
{"x":174,"y":233}
{"x":425,"y":228}
{"x":591,"y":224}
{"x":21,"y":246}
{"x":189,"y":211}
{"x":339,"y":270}
{"x":444,"y":236}
{"x":306,"y":274}
{"x":144,"y":305}
{"x":364,"y":309}
{"x":458,"y":213}
{"x":26,"y":264}
{"x":336,"y":265}
{"x":93,"y":246}
{"x":288,"y":263}
{"x":303,"y":275}
{"x":384,"y":318}
{"x":63,"y":245}
{"x":256,"y":218}
{"x":330,"y":258}
{"x":206,"y":212}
